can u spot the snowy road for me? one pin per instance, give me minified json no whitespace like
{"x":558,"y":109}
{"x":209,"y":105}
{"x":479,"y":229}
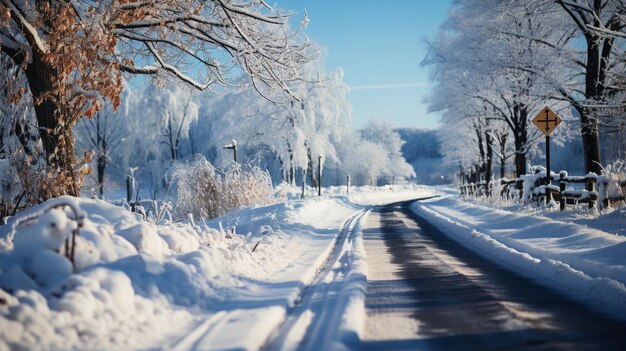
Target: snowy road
{"x":426,"y":291}
{"x":323,"y":273}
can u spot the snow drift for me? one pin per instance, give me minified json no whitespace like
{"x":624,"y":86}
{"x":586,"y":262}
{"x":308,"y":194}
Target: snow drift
{"x":136,"y":284}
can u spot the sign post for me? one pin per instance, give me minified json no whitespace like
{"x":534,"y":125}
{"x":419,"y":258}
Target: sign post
{"x":546,"y":121}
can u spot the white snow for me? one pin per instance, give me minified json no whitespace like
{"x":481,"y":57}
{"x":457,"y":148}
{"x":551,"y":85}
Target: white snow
{"x":174,"y":286}
{"x":583,"y":263}
{"x":233,"y":282}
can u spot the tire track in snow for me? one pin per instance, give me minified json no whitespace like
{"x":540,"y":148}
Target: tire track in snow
{"x":190,"y":341}
{"x":315,"y":322}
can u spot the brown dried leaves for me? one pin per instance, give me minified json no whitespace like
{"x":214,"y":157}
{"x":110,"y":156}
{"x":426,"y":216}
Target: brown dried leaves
{"x":82,"y":54}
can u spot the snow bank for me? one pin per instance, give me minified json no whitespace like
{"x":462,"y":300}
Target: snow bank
{"x":188,"y":285}
{"x":352,"y":295}
{"x":586,"y":264}
{"x":136,"y":284}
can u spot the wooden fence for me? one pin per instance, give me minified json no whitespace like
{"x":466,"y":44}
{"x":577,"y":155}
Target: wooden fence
{"x":531,"y":188}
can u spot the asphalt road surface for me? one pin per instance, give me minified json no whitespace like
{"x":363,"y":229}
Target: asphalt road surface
{"x":425,"y":291}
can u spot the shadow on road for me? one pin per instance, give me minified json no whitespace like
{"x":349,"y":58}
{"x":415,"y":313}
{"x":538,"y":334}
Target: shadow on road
{"x":459,"y":300}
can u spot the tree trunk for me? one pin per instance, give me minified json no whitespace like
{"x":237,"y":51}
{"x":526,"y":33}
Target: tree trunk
{"x":520,"y":157}
{"x":311,"y":169}
{"x":502,"y":156}
{"x":192,"y":144}
{"x":290,"y":171}
{"x":170,"y":136}
{"x":40,"y":76}
{"x":57,"y":141}
{"x":489,"y":163}
{"x":599,"y":50}
{"x":481,"y":148}
{"x":591,"y":143}
{"x":593,"y":91}
{"x":101,"y":165}
{"x":520,"y":138}
{"x":283,"y":172}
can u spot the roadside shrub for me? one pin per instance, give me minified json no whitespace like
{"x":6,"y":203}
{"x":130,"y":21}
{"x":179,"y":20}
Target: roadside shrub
{"x":25,"y":181}
{"x":612,"y":186}
{"x":208,"y":192}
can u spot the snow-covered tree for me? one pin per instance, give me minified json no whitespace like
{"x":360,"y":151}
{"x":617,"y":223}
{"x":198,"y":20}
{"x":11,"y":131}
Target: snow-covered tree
{"x":594,"y":19}
{"x":497,"y":63}
{"x":103,"y":134}
{"x":363,"y":161}
{"x":295,"y":133}
{"x":161,"y":125}
{"x":158,"y":120}
{"x":175,"y":110}
{"x":389,"y":141}
{"x":72,"y":55}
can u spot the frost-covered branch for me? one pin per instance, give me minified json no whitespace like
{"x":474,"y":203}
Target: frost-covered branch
{"x":28,"y":29}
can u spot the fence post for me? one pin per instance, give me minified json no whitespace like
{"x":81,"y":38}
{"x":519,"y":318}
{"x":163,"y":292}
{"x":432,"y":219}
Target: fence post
{"x":592,"y":187}
{"x":606,"y":201}
{"x":561,"y":190}
{"x":319,"y":176}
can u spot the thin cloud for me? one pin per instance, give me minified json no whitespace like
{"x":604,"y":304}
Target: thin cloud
{"x":388,"y":86}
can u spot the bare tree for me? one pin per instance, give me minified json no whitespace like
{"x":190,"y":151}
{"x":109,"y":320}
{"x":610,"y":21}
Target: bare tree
{"x":102,"y":134}
{"x":174,"y":128}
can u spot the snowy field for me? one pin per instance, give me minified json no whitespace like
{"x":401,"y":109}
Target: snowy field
{"x":232,"y":282}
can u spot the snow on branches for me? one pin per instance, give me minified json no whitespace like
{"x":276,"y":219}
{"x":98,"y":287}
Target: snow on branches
{"x":73,"y":54}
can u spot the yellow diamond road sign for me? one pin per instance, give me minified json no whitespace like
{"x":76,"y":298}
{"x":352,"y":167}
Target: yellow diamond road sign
{"x":546,"y":121}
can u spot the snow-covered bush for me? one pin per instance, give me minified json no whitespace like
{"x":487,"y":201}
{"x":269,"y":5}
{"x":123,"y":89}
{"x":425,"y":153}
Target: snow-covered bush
{"x":25,"y":181}
{"x":207,"y":192}
{"x":611,"y":184}
{"x":130,"y":276}
{"x":34,"y":251}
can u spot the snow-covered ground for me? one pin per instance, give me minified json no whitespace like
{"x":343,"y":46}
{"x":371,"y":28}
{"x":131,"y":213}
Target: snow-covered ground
{"x":225,"y":283}
{"x":237,"y":281}
{"x":578,"y":253}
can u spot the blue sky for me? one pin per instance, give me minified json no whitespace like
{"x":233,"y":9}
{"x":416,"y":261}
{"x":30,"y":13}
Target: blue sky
{"x":379,"y":46}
